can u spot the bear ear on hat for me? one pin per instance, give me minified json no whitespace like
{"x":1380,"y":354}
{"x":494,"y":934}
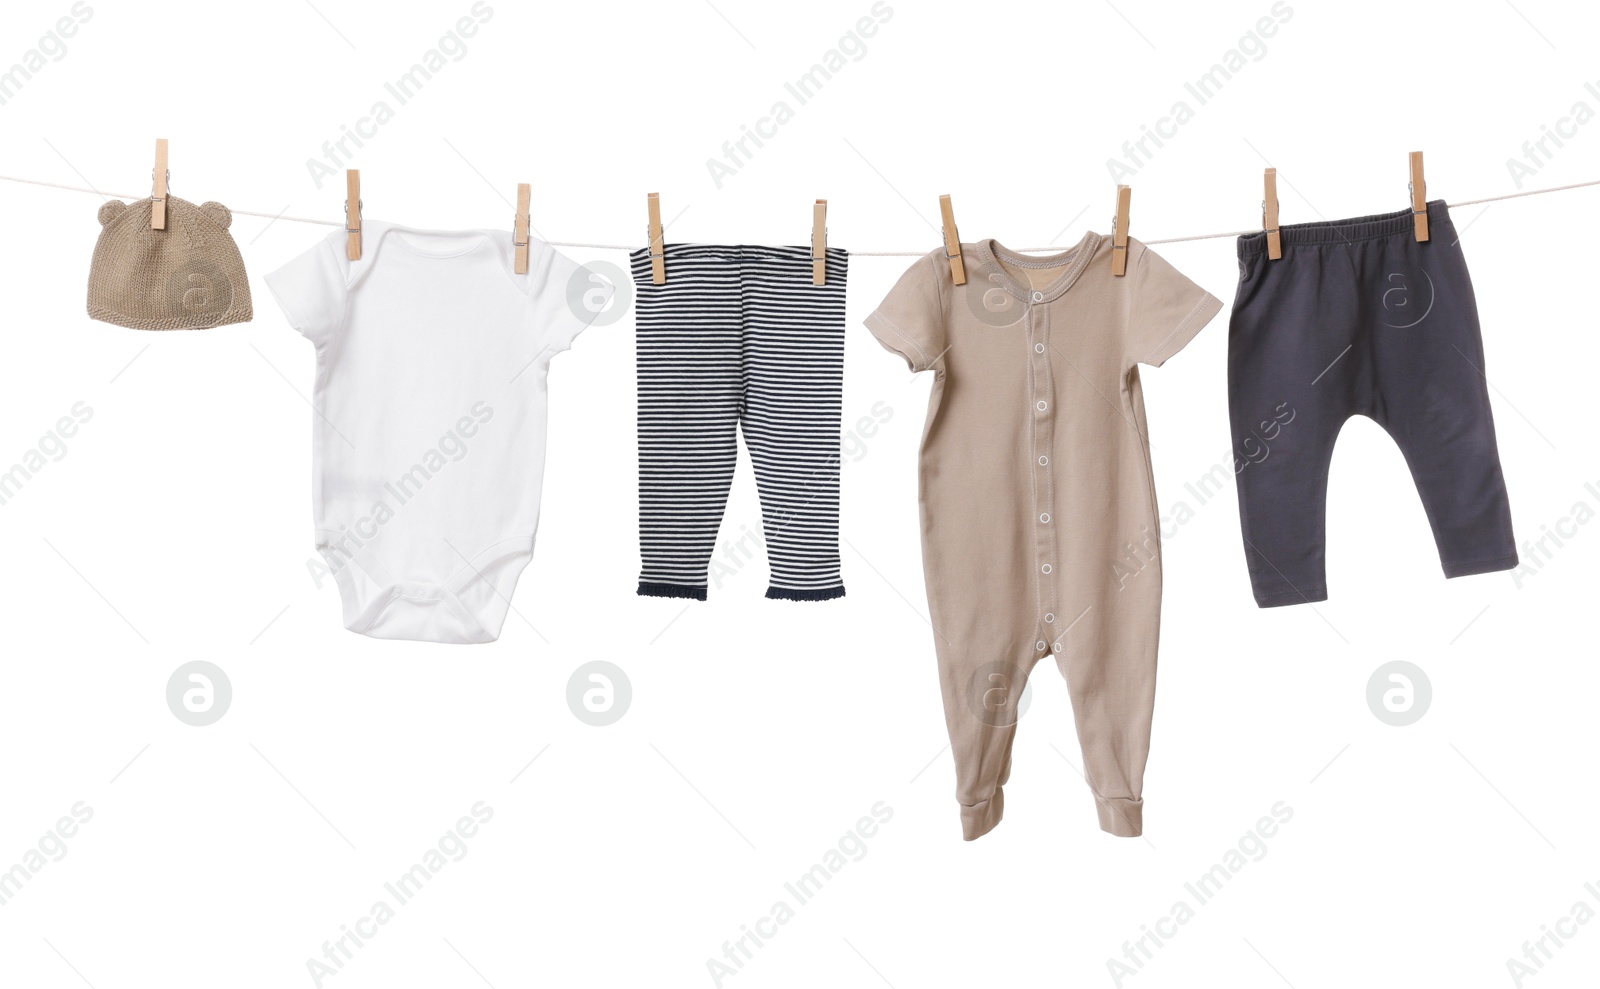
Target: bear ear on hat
{"x":217,"y":213}
{"x":110,"y":210}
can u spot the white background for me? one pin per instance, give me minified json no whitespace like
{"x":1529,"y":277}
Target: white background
{"x":176,"y":527}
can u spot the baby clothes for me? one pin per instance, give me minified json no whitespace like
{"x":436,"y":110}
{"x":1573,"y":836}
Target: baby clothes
{"x":430,"y":413}
{"x":739,"y":335}
{"x":186,"y":276}
{"x":1036,"y":491}
{"x":1359,"y":318}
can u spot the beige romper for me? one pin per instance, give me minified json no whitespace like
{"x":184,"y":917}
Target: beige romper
{"x":1039,"y":519}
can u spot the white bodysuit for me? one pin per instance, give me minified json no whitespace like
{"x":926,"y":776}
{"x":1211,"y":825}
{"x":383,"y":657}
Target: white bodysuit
{"x":430,"y":411}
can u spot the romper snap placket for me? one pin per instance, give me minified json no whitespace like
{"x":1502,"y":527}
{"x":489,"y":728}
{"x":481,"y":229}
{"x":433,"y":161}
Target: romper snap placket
{"x":1041,"y":412}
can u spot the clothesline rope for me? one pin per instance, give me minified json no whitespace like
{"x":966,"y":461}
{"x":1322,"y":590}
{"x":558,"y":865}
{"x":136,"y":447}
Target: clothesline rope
{"x":867,"y":254}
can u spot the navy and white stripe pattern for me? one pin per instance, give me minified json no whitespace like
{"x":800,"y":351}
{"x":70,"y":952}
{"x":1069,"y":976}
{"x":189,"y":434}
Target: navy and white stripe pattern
{"x":739,"y":335}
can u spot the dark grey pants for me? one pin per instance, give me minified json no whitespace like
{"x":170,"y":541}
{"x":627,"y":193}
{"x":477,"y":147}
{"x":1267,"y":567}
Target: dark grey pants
{"x":1359,"y":318}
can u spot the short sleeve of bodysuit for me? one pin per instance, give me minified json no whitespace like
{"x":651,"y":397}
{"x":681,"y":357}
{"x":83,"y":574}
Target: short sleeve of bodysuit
{"x":1167,"y":309}
{"x":566,"y":298}
{"x":910,"y":319}
{"x":311,"y":290}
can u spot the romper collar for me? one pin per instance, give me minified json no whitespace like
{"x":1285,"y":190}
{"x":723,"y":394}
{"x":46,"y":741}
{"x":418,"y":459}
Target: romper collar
{"x":1076,"y":259}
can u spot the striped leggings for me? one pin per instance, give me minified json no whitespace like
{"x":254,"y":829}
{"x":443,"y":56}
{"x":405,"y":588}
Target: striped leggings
{"x":739,"y":335}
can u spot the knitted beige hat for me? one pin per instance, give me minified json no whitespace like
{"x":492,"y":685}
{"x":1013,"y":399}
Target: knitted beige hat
{"x":187,"y":277}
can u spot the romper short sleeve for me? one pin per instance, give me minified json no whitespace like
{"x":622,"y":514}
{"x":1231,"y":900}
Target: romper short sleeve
{"x":910,"y":320}
{"x":311,"y":289}
{"x":566,"y":297}
{"x":1166,"y":311}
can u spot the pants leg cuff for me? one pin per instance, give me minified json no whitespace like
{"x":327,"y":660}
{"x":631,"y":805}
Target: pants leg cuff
{"x":1306,"y":594}
{"x":1121,"y":816}
{"x":805,"y":593}
{"x":651,"y":589}
{"x":980,"y":818}
{"x":1471,"y":567}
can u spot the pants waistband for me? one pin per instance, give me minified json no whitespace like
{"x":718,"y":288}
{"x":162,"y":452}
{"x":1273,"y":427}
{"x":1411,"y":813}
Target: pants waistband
{"x":739,"y":252}
{"x":1344,"y":231}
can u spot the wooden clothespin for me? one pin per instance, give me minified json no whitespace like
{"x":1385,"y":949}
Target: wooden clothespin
{"x":352,"y":214}
{"x":1269,"y":215}
{"x":952,"y":242}
{"x":1419,"y":197}
{"x":819,"y":242}
{"x":158,"y":194}
{"x":519,"y":230}
{"x":1119,"y":232}
{"x":658,"y":242}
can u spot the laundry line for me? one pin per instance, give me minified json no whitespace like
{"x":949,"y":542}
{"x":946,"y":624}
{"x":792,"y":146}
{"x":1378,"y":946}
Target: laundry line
{"x":869,"y":254}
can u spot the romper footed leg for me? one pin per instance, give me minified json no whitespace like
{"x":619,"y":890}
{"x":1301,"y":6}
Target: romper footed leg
{"x":1110,"y":669}
{"x":981,"y":705}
